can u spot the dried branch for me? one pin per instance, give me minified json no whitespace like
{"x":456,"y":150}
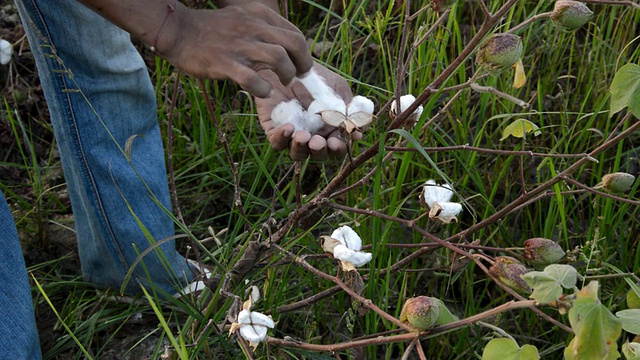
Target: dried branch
{"x":225,"y":145}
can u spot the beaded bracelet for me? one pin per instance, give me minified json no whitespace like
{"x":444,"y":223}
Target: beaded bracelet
{"x":170,"y":10}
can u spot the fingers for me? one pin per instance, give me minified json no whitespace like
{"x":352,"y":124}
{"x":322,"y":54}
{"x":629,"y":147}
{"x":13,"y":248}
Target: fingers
{"x":235,"y":43}
{"x":318,"y":148}
{"x":295,"y":45}
{"x":294,"y":41}
{"x":336,"y":147}
{"x":304,"y":145}
{"x":249,"y":80}
{"x":273,"y":57}
{"x":299,"y":149}
{"x":278,"y":137}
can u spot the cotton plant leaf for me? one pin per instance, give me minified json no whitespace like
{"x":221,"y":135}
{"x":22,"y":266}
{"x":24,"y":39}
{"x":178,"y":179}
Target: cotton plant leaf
{"x":630,"y":320}
{"x":547,"y":285}
{"x":519,"y":128}
{"x":508,"y":349}
{"x":519,"y":78}
{"x":596,"y":328}
{"x":625,"y":90}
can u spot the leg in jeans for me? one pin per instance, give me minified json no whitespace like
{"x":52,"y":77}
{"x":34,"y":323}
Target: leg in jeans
{"x":18,"y":332}
{"x":103,"y":110}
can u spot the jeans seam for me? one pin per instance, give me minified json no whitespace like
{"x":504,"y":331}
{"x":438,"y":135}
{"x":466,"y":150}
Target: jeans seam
{"x":65,"y":99}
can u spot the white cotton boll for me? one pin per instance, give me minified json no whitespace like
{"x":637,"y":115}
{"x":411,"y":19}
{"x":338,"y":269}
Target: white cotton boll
{"x":348,"y":237}
{"x":253,"y":334}
{"x":288,"y":112}
{"x":450,"y":209}
{"x":320,"y":105}
{"x":6,"y":49}
{"x":261,"y":319}
{"x":319,"y":90}
{"x":254,"y":325}
{"x":337,"y":104}
{"x":405,"y":102}
{"x":360,"y":104}
{"x":254,"y":294}
{"x":329,"y":243}
{"x":316,"y":85}
{"x":317,"y":107}
{"x":445,"y":212}
{"x":356,"y":258}
{"x":312,"y":122}
{"x":359,"y":259}
{"x":436,"y":193}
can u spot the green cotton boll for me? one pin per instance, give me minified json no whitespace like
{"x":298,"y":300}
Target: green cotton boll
{"x":420,"y":312}
{"x":618,"y":182}
{"x":542,"y":252}
{"x":570,"y":15}
{"x":499,"y":52}
{"x":510,"y":271}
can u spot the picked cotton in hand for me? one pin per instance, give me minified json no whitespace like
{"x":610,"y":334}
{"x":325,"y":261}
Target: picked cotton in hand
{"x":292,"y":112}
{"x":319,"y":90}
{"x":360,"y":103}
{"x":326,"y":108}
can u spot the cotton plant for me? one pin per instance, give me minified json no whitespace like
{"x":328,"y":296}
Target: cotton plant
{"x":345,"y":244}
{"x":252,"y":325}
{"x":405,"y":102}
{"x":437,"y":198}
{"x":326,"y":108}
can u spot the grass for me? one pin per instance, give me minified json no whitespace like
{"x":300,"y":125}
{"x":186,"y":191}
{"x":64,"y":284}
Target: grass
{"x":367,"y":42}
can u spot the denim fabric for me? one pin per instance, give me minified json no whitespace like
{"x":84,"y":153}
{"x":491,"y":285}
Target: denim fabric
{"x":102,"y":102}
{"x":18,"y":333}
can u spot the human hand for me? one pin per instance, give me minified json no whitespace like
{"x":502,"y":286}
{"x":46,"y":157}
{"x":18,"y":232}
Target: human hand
{"x":235,"y":43}
{"x":326,"y":142}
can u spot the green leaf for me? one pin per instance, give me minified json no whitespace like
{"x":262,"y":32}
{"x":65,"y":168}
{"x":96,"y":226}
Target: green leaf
{"x":416,"y":144}
{"x":508,"y":349}
{"x":547,"y":285}
{"x":596,"y":328}
{"x":630,"y":320}
{"x":625,"y":90}
{"x":566,"y":275}
{"x":519,"y":127}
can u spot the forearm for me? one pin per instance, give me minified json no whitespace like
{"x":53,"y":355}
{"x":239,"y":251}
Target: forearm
{"x":145,"y":20}
{"x":231,"y":42}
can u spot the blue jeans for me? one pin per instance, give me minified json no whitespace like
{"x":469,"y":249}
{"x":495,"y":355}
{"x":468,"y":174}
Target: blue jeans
{"x":103,"y":110}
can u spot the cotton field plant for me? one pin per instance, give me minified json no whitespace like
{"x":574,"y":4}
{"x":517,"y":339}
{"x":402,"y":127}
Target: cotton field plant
{"x":478,"y":217}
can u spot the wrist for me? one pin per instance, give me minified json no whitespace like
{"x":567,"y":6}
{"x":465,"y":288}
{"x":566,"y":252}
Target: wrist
{"x":273,"y":4}
{"x":166,"y":37}
{"x":170,"y":10}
